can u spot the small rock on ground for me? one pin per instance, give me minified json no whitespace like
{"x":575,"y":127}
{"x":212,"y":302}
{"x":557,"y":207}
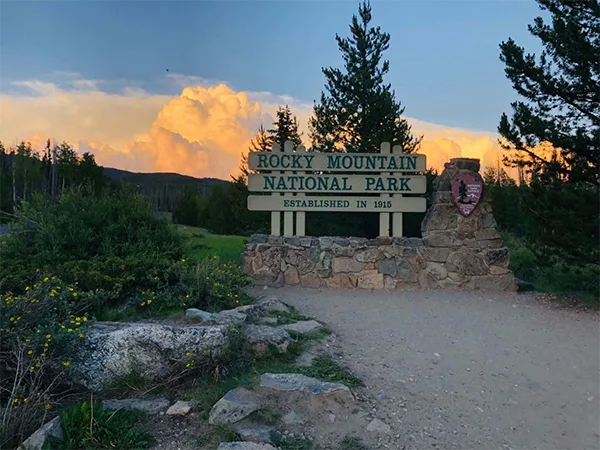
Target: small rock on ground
{"x":253,"y":434}
{"x":261,"y":336}
{"x":305,"y":326}
{"x":205,"y":316}
{"x":300,"y":383}
{"x":245,"y":446}
{"x":180,"y":408}
{"x":233,"y":407}
{"x":38,"y":439}
{"x":271,"y":303}
{"x":150,"y":406}
{"x":268,"y":321}
{"x":378,"y":426}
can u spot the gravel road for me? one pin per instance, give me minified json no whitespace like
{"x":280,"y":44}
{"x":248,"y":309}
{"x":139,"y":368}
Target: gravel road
{"x":454,"y":370}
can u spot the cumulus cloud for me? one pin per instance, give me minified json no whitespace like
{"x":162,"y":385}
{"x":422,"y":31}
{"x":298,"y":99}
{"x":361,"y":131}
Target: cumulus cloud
{"x":201,"y":132}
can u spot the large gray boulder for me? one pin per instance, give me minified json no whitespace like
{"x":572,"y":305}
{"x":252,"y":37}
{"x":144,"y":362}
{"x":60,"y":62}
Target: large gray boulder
{"x":112,"y":350}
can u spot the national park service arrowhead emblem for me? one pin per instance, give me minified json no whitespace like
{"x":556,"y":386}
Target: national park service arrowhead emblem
{"x":467,"y":190}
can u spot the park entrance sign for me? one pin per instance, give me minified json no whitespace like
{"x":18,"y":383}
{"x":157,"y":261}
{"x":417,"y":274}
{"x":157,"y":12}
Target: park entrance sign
{"x":299,"y":181}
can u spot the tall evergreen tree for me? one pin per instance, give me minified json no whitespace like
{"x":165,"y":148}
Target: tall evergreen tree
{"x":561,"y":91}
{"x":359,"y":111}
{"x":285,"y":127}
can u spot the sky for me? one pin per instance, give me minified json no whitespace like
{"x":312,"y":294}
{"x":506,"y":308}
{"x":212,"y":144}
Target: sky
{"x":182,"y":86}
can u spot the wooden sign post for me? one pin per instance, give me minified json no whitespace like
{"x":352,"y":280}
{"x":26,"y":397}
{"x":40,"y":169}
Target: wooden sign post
{"x":292,"y":175}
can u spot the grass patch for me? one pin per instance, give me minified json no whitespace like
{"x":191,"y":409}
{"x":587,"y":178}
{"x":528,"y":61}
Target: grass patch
{"x":285,"y":318}
{"x":89,"y":426}
{"x":216,"y":434}
{"x":265,"y":416}
{"x":326,"y":369}
{"x":201,"y":244}
{"x":285,"y":443}
{"x":133,"y":385}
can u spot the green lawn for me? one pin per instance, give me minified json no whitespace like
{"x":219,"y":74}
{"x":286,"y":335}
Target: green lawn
{"x":203,"y":244}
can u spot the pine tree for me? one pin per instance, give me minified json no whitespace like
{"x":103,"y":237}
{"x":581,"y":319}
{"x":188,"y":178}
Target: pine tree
{"x":285,"y":128}
{"x":359,"y":111}
{"x":561,"y":91}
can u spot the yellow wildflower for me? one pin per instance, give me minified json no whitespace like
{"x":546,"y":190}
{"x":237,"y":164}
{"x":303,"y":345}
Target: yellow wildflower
{"x":143,"y":303}
{"x":84,"y":319}
{"x":45,"y":279}
{"x":187,"y":365}
{"x":48,"y":336}
{"x":188,"y":354}
{"x":149,"y":301}
{"x":81,"y":335}
{"x":74,"y":294}
{"x":30,"y":352}
{"x":12,"y":319}
{"x":25,"y":399}
{"x":66,"y":363}
{"x":47,"y":405}
{"x":16,"y":400}
{"x":69,"y":330}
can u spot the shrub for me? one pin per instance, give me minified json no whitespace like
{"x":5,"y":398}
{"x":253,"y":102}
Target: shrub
{"x":98,"y":241}
{"x":208,"y":285}
{"x":39,"y":330}
{"x":89,"y":426}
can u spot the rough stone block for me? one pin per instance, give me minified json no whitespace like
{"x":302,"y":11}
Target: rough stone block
{"x":369,"y":255}
{"x":338,"y":250}
{"x":275,"y":240}
{"x":310,"y":280}
{"x":504,"y":283}
{"x":441,"y":239}
{"x":487,"y":234}
{"x":347,"y":265}
{"x":437,"y":270}
{"x":342,"y":242}
{"x":149,"y":406}
{"x":488,"y":221}
{"x":37,"y":441}
{"x":325,"y":242}
{"x":342,"y":281}
{"x":293,"y":382}
{"x":497,"y":270}
{"x":440,"y":217}
{"x":258,"y":239}
{"x":387,"y":267}
{"x":406,"y":271}
{"x":305,"y":241}
{"x":389,"y":282}
{"x":291,"y":276}
{"x":469,"y":224}
{"x":370,"y":279}
{"x":497,"y":256}
{"x":324,"y":266}
{"x":427,"y":280}
{"x":435,"y":254}
{"x":466,"y":263}
{"x":292,"y":240}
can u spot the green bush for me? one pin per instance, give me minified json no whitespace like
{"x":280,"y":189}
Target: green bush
{"x":89,"y":426}
{"x":39,"y":331}
{"x":102,"y":242}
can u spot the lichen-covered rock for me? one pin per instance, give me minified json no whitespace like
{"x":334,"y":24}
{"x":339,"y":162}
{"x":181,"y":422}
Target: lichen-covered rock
{"x":180,"y":408}
{"x":149,"y":406}
{"x":236,"y":405}
{"x":341,"y":281}
{"x":303,"y":327}
{"x":369,"y":255}
{"x":260,"y":337}
{"x":270,"y":303}
{"x":311,"y":280}
{"x":294,"y":382}
{"x":51,"y":429}
{"x":113,"y":350}
{"x":198,"y":313}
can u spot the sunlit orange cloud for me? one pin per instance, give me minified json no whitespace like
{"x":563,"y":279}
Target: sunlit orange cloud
{"x":202,"y":132}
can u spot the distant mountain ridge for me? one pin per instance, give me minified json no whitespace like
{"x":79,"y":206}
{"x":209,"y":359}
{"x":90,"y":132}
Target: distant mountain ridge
{"x":162,"y":188}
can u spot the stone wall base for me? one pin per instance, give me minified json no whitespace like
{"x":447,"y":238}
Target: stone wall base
{"x":381,"y":263}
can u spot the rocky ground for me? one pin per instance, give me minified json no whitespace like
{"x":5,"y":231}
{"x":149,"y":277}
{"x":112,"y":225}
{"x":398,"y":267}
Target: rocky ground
{"x":442,"y":369}
{"x":455,"y":370}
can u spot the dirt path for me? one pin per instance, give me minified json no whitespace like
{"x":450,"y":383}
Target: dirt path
{"x":456,"y":370}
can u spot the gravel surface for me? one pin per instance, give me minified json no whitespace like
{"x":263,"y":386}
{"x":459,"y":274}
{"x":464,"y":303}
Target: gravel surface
{"x":455,"y":370}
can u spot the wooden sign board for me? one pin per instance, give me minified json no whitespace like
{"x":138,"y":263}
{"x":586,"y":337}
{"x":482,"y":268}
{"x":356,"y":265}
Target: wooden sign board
{"x":336,"y":162}
{"x":338,"y":184}
{"x":336,"y":204}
